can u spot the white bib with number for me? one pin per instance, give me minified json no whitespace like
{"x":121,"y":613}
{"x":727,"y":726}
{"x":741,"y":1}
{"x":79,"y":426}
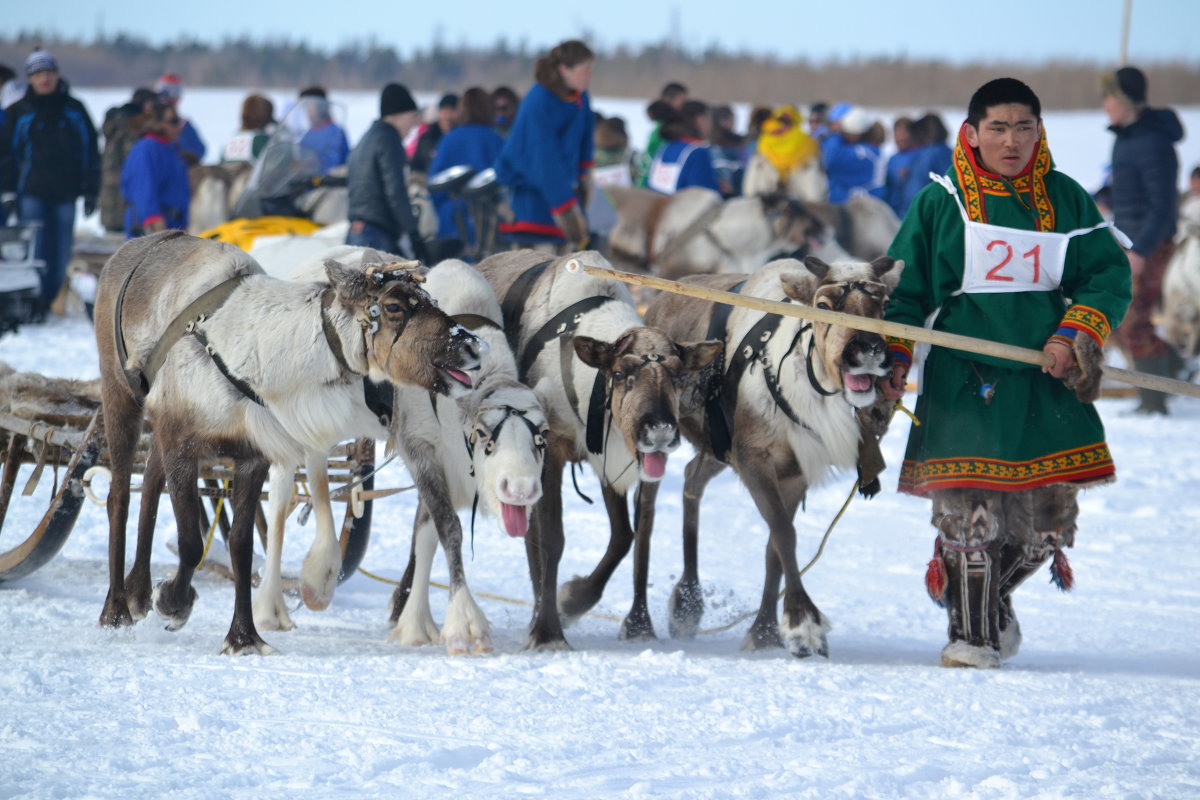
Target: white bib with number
{"x":664,"y":177}
{"x":1000,"y":259}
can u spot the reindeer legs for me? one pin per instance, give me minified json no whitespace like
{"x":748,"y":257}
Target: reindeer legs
{"x":270,"y":611}
{"x":543,"y":548}
{"x":137,"y":584}
{"x":248,"y":476}
{"x":581,"y":593}
{"x":687,"y":602}
{"x":804,"y":628}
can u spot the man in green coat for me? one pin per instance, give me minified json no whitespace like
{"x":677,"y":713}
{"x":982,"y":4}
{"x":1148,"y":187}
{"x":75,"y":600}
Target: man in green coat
{"x":1006,"y":248}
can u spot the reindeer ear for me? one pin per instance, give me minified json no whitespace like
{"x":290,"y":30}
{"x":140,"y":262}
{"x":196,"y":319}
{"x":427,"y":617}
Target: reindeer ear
{"x":594,"y":352}
{"x":800,"y":286}
{"x":349,"y":282}
{"x":888,"y":274}
{"x":816,"y":266}
{"x":372,"y":258}
{"x":698,"y":355}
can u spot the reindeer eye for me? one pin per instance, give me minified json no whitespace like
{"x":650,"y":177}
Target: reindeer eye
{"x":393,"y":308}
{"x":824,"y":304}
{"x":618,"y":375}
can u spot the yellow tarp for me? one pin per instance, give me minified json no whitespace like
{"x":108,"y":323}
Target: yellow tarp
{"x":243,"y":232}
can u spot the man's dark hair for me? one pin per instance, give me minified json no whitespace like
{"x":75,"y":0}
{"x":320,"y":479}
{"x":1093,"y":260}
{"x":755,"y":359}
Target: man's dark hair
{"x":7,"y":73}
{"x":313,"y":91}
{"x":672,"y":90}
{"x":694,"y":108}
{"x":1000,"y":92}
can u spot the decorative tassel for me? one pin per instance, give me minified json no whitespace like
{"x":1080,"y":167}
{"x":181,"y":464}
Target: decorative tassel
{"x":1061,"y":574}
{"x":935,"y":576}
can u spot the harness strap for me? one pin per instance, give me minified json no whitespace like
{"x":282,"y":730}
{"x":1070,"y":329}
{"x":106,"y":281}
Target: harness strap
{"x":237,"y":382}
{"x":331,"y":336}
{"x":560,"y":326}
{"x":720,"y":418}
{"x":139,"y":383}
{"x":513,"y":305}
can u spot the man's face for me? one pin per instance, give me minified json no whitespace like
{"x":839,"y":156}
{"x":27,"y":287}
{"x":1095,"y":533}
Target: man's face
{"x":1006,"y":138}
{"x":44,"y":81}
{"x":1118,"y":111}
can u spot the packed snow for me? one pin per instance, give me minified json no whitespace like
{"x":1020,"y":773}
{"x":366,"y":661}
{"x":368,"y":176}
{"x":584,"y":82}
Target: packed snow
{"x":1103,"y":699}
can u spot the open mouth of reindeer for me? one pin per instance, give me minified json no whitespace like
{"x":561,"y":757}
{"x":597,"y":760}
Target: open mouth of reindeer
{"x":653,"y":465}
{"x":515,"y":519}
{"x":858,"y":381}
{"x":451,"y":375}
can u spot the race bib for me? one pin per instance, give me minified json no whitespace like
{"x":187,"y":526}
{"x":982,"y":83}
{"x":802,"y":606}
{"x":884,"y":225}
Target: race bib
{"x":615,"y":175}
{"x":239,"y":148}
{"x":1002,"y":259}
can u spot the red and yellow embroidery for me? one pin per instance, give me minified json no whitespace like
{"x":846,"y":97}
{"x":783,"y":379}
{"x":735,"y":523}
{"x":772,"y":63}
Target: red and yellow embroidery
{"x":1090,"y":321}
{"x":1089,"y":464}
{"x":974,"y":182}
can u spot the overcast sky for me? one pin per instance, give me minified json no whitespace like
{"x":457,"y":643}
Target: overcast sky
{"x":1016,"y":29}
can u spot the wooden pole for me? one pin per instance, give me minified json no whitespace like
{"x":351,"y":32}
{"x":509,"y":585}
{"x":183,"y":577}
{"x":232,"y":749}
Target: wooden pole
{"x":940,"y":338}
{"x":1124,"y":56}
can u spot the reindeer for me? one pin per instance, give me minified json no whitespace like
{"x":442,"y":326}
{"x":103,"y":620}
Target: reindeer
{"x":483,"y":449}
{"x":789,"y":405}
{"x":611,"y":386}
{"x":1181,"y":286}
{"x":693,"y":231}
{"x":231,"y":363}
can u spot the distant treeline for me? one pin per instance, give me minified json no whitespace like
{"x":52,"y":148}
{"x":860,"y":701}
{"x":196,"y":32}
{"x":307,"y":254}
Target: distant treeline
{"x":715,"y":74}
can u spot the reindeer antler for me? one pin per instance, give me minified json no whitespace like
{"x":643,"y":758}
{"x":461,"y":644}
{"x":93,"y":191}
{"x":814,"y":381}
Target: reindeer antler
{"x":384,"y":272}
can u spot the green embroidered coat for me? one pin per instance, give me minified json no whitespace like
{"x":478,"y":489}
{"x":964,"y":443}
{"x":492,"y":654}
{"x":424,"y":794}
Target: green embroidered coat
{"x":1032,"y":431}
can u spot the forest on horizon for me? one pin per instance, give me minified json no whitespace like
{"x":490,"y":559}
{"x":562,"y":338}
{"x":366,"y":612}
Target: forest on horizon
{"x":713,"y":74}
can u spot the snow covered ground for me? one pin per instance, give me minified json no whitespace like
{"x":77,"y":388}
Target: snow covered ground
{"x":1102,"y":701}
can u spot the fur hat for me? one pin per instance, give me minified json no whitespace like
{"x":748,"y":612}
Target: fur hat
{"x":449,"y":100}
{"x":395,"y":99}
{"x":40,"y":61}
{"x":1127,"y":84}
{"x":855,"y":121}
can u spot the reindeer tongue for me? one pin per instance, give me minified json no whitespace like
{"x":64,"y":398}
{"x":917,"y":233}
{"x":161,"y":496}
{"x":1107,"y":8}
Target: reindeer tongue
{"x":655,"y":464}
{"x":461,"y":377}
{"x":857,"y":383}
{"x":516,"y":522}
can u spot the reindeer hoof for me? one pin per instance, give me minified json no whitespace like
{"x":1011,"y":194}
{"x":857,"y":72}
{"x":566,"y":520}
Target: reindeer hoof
{"x":170,"y":608}
{"x":809,"y":638}
{"x":115,"y":613}
{"x":686,"y":610}
{"x":575,"y":598}
{"x":547,"y":644}
{"x":317,"y":582}
{"x":637,"y":627}
{"x":762,"y":637}
{"x":251,"y":647}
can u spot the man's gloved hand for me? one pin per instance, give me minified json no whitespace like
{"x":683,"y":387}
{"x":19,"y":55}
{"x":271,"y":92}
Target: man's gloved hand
{"x":1084,"y":375}
{"x":894,"y":385}
{"x":8,"y":201}
{"x":89,"y":205}
{"x":573,"y":225}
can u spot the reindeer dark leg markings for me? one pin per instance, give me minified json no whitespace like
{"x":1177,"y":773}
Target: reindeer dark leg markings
{"x":687,"y":599}
{"x":799,"y":610}
{"x":544,"y":546}
{"x":173,"y":599}
{"x":248,"y":477}
{"x":138,"y":585}
{"x":404,"y":587}
{"x":123,"y":429}
{"x":637,"y":624}
{"x":581,"y":593}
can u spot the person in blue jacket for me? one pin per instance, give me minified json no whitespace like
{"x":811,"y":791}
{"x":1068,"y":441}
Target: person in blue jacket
{"x":684,"y":160}
{"x":899,"y":163}
{"x":472,"y":142}
{"x":48,"y":158}
{"x":154,"y":180}
{"x":850,"y":159}
{"x":932,"y":155}
{"x":548,"y":153}
{"x":324,"y":136}
{"x":189,"y":143}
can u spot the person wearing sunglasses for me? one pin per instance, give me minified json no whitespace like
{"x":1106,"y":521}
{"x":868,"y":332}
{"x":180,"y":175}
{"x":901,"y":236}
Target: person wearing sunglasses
{"x":154,"y":180}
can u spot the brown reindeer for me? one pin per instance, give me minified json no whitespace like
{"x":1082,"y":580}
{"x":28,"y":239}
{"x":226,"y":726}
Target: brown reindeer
{"x":789,"y":405}
{"x":612,"y":393}
{"x":230,"y":363}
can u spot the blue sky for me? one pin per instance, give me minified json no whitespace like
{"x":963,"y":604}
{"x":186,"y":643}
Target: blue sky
{"x":1023,"y":29}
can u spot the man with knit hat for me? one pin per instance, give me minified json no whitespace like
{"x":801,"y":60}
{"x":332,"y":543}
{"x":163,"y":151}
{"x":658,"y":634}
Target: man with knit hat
{"x":48,"y":159}
{"x":379,"y":210}
{"x":1145,"y":175}
{"x":170,"y":91}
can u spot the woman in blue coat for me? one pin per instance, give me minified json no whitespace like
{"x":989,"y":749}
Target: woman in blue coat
{"x":154,"y":180}
{"x":473,"y":143}
{"x":548,"y":152}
